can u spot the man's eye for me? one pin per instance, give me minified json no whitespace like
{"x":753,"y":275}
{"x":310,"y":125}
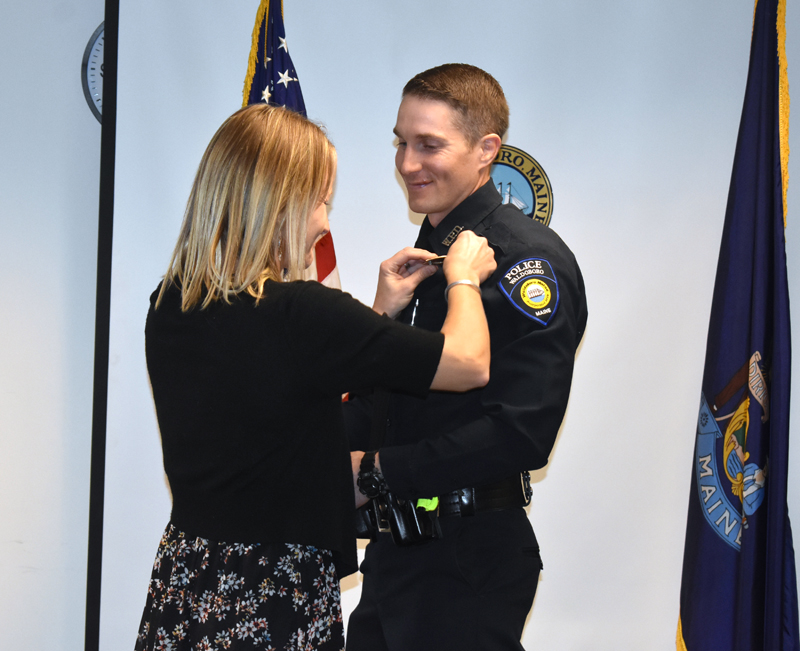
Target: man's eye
{"x":400,"y":143}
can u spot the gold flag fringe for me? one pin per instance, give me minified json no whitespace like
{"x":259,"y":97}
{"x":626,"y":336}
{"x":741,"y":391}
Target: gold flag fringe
{"x":680,"y":645}
{"x":783,"y":103}
{"x":263,"y":8}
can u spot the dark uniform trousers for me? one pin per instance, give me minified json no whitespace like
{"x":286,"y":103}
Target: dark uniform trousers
{"x":471,"y":589}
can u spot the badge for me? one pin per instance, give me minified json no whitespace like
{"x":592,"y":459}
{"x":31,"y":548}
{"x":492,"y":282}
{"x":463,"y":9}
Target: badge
{"x":532,"y":288}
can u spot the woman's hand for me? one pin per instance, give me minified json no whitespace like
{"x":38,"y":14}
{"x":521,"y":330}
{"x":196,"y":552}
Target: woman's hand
{"x":470,"y":258}
{"x":399,"y":277}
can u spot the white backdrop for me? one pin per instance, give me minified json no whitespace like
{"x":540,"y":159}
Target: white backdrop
{"x":49,"y":179}
{"x":631,"y":107}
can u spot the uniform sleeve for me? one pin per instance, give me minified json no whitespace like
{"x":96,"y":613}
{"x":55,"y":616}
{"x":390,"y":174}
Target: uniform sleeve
{"x":344,"y":346}
{"x":518,"y":417}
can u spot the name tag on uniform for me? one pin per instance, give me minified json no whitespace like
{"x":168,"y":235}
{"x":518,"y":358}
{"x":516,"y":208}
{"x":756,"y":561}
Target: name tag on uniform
{"x":532,"y":288}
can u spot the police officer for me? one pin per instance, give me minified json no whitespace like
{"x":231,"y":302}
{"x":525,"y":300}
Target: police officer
{"x":471,"y":588}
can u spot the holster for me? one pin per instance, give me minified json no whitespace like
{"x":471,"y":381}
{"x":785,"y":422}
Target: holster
{"x":411,"y":525}
{"x":368,"y":521}
{"x":408,"y":524}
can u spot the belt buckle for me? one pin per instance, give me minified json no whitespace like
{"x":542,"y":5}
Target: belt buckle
{"x":466,"y":502}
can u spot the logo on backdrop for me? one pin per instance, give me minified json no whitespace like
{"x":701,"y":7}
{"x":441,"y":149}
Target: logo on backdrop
{"x":521,"y":181}
{"x":730,"y":485}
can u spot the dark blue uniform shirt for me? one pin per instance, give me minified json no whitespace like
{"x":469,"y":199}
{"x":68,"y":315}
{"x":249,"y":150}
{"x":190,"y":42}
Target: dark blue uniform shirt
{"x":450,"y":440}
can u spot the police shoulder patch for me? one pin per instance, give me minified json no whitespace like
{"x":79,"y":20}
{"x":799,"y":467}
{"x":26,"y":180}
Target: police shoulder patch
{"x":532,"y":288}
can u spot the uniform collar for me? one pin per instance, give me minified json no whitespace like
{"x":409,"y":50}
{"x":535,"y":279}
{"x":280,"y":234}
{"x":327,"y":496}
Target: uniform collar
{"x":465,"y":216}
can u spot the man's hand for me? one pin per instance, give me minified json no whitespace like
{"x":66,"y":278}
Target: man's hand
{"x":399,"y":277}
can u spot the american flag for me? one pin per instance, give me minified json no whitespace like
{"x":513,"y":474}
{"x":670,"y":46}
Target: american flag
{"x":271,"y":78}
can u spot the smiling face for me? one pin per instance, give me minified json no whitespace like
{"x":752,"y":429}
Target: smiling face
{"x":438,"y":165}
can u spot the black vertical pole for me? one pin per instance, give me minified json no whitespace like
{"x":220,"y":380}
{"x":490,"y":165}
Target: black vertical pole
{"x":102,"y":322}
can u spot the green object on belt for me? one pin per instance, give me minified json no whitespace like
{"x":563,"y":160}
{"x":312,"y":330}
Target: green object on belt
{"x":428,"y":504}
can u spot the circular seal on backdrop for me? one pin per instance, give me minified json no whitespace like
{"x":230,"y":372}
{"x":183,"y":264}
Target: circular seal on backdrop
{"x":522,"y":181}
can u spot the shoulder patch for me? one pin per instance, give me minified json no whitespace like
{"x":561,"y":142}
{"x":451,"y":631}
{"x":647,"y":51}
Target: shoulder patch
{"x":532,"y":288}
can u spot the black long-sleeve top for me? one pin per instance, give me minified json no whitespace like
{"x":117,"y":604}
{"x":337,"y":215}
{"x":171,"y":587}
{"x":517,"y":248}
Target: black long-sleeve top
{"x":248,"y":398}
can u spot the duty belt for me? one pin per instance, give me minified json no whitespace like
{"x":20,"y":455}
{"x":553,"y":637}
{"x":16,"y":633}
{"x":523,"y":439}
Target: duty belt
{"x":506,"y":494}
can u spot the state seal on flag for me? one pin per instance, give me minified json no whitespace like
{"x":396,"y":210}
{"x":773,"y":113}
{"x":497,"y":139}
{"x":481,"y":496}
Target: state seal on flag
{"x":731,"y":482}
{"x":522,"y":182}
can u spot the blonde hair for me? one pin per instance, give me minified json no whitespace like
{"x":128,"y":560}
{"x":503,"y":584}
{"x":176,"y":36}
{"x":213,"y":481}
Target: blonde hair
{"x":263,"y":173}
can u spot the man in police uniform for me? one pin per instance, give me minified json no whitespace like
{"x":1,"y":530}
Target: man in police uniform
{"x":473,"y":587}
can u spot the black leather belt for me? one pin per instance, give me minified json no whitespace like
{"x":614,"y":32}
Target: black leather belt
{"x":506,"y":494}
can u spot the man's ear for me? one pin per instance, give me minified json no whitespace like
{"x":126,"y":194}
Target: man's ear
{"x":489,"y":146}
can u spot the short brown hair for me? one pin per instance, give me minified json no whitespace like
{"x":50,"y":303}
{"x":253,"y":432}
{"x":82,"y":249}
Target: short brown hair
{"x":264,"y":172}
{"x":473,"y":93}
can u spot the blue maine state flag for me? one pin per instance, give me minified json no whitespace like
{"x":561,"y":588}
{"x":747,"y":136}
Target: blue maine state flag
{"x":739,"y":591}
{"x":271,"y":76}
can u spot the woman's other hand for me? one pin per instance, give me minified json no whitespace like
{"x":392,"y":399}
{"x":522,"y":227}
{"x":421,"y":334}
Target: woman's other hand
{"x":469,"y":258}
{"x":399,"y":277}
{"x":466,"y":355}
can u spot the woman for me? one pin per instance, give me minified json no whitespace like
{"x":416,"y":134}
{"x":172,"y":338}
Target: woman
{"x":247,"y":373}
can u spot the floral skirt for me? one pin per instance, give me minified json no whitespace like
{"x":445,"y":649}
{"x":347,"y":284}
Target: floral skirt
{"x":213,"y":596}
